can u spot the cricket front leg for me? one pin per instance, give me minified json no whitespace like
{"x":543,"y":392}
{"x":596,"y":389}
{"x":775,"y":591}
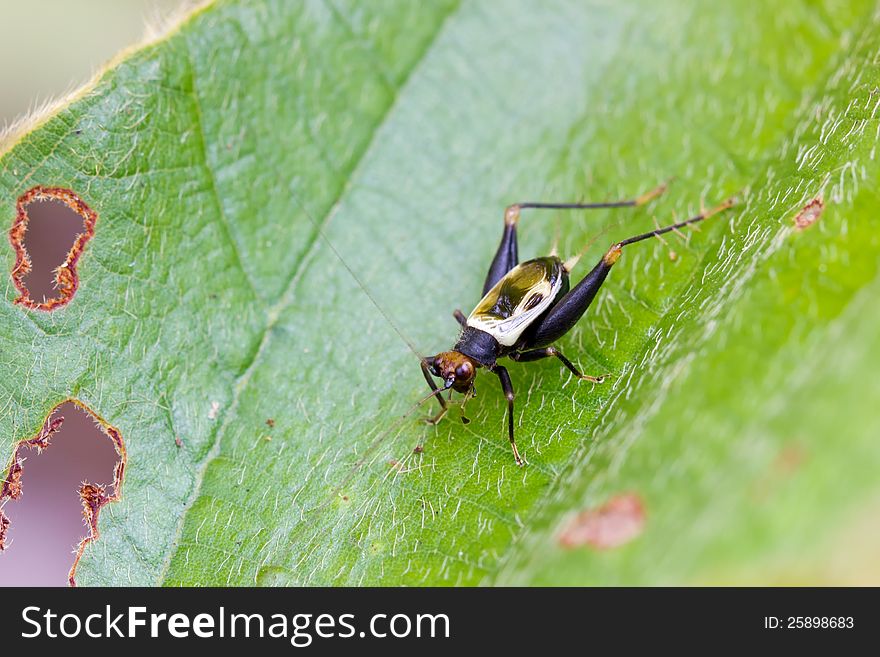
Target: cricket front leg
{"x":507,"y":387}
{"x":438,"y":394}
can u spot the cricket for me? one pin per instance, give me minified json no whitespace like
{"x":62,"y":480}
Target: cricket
{"x":528,"y":306}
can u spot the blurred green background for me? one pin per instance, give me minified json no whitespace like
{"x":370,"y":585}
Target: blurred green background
{"x":51,"y":46}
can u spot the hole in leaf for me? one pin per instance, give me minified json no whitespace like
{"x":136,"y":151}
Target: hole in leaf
{"x":52,"y":494}
{"x":51,"y":228}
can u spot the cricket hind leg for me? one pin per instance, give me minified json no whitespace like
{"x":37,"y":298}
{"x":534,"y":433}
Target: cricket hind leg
{"x":550,"y":352}
{"x":507,"y":256}
{"x":560,"y":319}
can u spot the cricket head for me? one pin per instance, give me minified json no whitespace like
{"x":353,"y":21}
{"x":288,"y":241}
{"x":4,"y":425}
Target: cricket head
{"x":457,"y":370}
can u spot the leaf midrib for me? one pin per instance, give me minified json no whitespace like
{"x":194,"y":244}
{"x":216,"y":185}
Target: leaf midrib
{"x":287,"y":296}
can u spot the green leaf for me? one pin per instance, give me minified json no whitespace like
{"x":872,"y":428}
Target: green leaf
{"x":739,"y":410}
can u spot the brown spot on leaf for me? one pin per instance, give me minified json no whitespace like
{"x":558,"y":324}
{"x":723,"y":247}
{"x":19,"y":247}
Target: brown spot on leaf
{"x":92,"y":496}
{"x":790,"y":459}
{"x":64,"y":281}
{"x":270,"y":423}
{"x":809,"y":214}
{"x":786,"y":464}
{"x":618,"y":521}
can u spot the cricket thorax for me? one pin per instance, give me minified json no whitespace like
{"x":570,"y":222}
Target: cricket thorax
{"x":479,"y":346}
{"x":518,"y":299}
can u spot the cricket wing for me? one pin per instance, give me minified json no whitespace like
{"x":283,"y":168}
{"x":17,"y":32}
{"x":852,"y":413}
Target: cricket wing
{"x":518,"y":299}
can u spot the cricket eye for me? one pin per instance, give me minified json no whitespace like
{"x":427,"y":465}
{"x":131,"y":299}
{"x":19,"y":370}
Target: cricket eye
{"x":432,"y":365}
{"x":464,"y":371}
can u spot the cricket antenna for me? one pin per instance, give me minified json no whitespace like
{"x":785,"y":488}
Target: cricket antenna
{"x":729,"y":203}
{"x":360,"y":283}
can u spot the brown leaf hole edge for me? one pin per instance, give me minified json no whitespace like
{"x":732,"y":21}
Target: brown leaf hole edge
{"x":93,"y":496}
{"x":66,"y":280}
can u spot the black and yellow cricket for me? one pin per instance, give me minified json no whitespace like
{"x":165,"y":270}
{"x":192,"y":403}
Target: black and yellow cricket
{"x":528,"y":306}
